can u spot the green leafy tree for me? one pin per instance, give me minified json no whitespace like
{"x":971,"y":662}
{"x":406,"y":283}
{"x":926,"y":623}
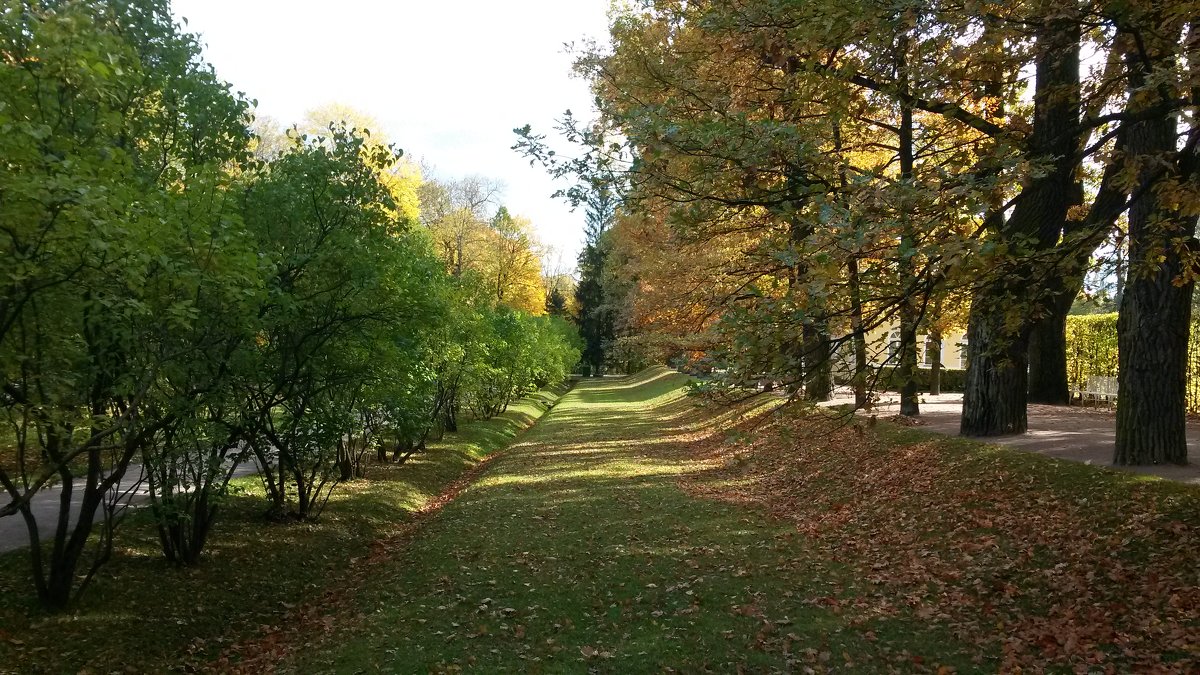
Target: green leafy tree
{"x":597,"y":176}
{"x":595,"y":318}
{"x":327,"y":224}
{"x":114,"y":135}
{"x":213,"y":278}
{"x":875,"y":159}
{"x":556,"y":302}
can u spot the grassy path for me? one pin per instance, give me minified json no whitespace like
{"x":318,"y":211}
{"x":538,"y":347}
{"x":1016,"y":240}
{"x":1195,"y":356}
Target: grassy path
{"x":634,"y":529}
{"x":578,"y":551}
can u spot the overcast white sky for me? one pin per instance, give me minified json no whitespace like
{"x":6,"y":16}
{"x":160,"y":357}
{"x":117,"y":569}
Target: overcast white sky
{"x":447,"y":79}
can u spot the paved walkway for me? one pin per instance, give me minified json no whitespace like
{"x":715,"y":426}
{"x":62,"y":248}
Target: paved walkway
{"x":1076,"y":433}
{"x":14,"y":534}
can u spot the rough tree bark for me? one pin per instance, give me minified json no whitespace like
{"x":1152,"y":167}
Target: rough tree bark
{"x":859,"y":336}
{"x":1152,"y":329}
{"x":994,"y":399}
{"x":1048,"y":352}
{"x":818,"y":367}
{"x":935,"y":366}
{"x":996,"y":395}
{"x":907,"y":369}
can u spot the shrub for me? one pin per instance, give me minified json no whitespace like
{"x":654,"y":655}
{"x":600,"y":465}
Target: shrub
{"x":953,"y":379}
{"x":1091,"y":347}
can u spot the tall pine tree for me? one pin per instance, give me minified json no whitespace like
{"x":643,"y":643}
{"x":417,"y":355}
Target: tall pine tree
{"x":595,"y":318}
{"x":598,"y":173}
{"x":556,"y":303}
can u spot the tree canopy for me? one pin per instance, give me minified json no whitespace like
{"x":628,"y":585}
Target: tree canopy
{"x":187,"y":289}
{"x":797,"y":176}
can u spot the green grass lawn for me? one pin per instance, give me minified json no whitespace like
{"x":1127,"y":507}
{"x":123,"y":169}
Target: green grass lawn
{"x":579,"y":551}
{"x":144,"y":615}
{"x":636,"y":529}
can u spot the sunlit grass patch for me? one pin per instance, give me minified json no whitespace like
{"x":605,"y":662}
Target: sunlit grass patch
{"x":861,"y":552}
{"x":579,"y":551}
{"x":149,"y":616}
{"x":635,"y":529}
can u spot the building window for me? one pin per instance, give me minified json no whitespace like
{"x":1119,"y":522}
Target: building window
{"x":923,"y":351}
{"x":894,"y":344}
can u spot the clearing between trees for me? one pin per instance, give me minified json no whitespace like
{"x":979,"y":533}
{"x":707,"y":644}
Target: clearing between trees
{"x":616,"y":537}
{"x":639,"y":529}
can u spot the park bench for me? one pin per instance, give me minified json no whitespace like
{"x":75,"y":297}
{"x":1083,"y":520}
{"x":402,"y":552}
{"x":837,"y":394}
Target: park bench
{"x":1099,"y":388}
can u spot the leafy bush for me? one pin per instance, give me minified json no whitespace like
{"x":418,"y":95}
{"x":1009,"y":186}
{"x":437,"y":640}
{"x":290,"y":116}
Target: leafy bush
{"x":1092,"y":350}
{"x":1091,"y":347}
{"x":170,"y":300}
{"x":953,"y":379}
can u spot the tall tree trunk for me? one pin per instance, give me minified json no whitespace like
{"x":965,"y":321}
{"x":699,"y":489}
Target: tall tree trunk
{"x":858,"y":336}
{"x":994,"y":398}
{"x":909,"y":387}
{"x":997,"y":378}
{"x":1152,"y":344}
{"x":810,"y":369}
{"x":1056,"y":115}
{"x":1048,"y":360}
{"x":907,"y":369}
{"x":1048,"y":352}
{"x":1152,"y":329}
{"x":1119,"y":293}
{"x":345,"y":459}
{"x":935,"y":364}
{"x":818,"y":370}
{"x":858,"y":333}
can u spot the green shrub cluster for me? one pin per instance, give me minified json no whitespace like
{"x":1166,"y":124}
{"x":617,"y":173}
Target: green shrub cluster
{"x":952,"y":379}
{"x":172,"y":300}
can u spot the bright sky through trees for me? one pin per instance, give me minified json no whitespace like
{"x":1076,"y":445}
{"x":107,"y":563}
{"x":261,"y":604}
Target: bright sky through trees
{"x":448,"y":80}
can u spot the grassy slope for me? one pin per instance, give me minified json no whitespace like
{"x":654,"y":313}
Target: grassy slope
{"x":1052,"y":564}
{"x":616,"y":538}
{"x":635,"y":530}
{"x":578,"y":550}
{"x":146,"y":615}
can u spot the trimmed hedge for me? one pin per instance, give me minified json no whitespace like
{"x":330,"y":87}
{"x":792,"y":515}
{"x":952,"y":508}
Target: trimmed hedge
{"x":953,"y":380}
{"x":1092,"y":350}
{"x":1091,"y":347}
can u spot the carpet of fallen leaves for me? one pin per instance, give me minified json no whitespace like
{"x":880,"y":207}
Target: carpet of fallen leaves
{"x":1060,"y":566}
{"x":797,"y":543}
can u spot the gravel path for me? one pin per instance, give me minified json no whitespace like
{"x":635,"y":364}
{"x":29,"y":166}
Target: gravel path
{"x":1075,"y":433}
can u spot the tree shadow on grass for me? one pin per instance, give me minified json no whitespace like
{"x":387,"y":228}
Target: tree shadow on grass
{"x":578,"y":551}
{"x":148,"y":615}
